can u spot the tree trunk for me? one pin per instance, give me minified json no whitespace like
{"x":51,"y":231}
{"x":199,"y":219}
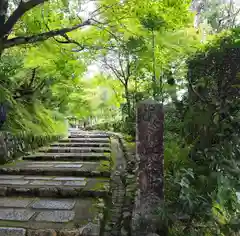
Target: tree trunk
{"x":128,"y":101}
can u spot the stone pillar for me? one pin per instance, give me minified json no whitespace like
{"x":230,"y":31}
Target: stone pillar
{"x":150,"y":118}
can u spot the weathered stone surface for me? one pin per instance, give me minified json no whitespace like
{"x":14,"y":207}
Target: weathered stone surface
{"x":80,"y":144}
{"x":75,"y":183}
{"x":69,"y":165}
{"x":150,"y":119}
{"x":47,"y":192}
{"x":12,"y":231}
{"x":13,"y":182}
{"x":46,"y":165}
{"x":56,"y":216}
{"x":85,"y":140}
{"x":11,"y":177}
{"x":66,"y":156}
{"x":69,"y":178}
{"x":54,"y":204}
{"x":3,"y":191}
{"x":39,"y":182}
{"x":42,"y":232}
{"x":37,"y":178}
{"x":90,"y":230}
{"x":15,"y":214}
{"x":69,"y":233}
{"x":14,"y":202}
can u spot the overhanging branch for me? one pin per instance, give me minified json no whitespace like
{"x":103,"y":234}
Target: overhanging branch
{"x":18,"y":13}
{"x":43,"y":36}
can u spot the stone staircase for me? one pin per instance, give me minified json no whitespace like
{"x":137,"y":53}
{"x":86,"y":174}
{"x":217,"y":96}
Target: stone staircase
{"x":59,"y":190}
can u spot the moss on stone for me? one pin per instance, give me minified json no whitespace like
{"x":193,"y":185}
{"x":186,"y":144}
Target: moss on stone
{"x":100,"y":186}
{"x":104,"y":166}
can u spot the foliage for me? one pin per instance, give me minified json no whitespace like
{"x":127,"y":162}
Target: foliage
{"x":201,"y":187}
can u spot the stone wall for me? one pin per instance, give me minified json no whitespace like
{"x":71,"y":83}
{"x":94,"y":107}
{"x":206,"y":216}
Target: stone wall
{"x":13,"y":146}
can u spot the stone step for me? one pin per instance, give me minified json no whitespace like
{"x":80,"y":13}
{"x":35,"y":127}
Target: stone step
{"x":75,"y":149}
{"x":85,"y":140}
{"x":80,"y":169}
{"x":69,"y":144}
{"x":88,"y":135}
{"x":49,"y":216}
{"x":67,"y":157}
{"x":50,"y":186}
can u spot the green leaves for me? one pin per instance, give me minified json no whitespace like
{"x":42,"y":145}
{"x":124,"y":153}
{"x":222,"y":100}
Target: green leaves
{"x":153,"y":22}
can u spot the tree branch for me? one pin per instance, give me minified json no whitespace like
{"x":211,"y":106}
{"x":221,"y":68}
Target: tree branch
{"x":43,"y":36}
{"x":228,"y":17}
{"x":18,"y":13}
{"x":33,"y":77}
{"x":121,"y":66}
{"x":115,"y":72}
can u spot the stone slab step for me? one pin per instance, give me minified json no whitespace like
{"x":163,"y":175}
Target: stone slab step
{"x":69,"y":144}
{"x":84,"y":169}
{"x":75,"y":149}
{"x":23,"y":216}
{"x":88,"y":135}
{"x":67,"y":157}
{"x":85,"y":140}
{"x":47,"y":186}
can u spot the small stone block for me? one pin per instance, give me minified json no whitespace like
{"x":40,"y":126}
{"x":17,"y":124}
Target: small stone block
{"x":14,"y":202}
{"x":56,"y":216}
{"x":69,"y":166}
{"x":11,"y":176}
{"x":15,"y":214}
{"x":37,"y":178}
{"x":42,"y":232}
{"x":70,"y":178}
{"x":54,"y":204}
{"x":13,"y":182}
{"x":90,"y":229}
{"x":39,"y":165}
{"x":12,"y":231}
{"x":69,"y":232}
{"x":75,"y":183}
{"x":54,"y":183}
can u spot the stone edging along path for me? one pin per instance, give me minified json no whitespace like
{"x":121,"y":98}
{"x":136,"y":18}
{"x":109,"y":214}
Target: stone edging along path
{"x":123,"y":187}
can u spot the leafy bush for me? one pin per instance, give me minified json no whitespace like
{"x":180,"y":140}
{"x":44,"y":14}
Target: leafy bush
{"x":202,"y":146}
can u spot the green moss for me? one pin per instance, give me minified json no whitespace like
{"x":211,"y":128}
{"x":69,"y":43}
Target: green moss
{"x":131,"y":145}
{"x":100,"y":186}
{"x":104,"y":166}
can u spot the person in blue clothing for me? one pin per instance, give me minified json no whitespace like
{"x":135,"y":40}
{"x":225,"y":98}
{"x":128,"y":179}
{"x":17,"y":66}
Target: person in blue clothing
{"x":3,"y":114}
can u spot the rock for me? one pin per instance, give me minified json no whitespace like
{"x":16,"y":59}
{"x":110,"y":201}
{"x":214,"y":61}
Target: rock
{"x":124,"y":232}
{"x":12,"y":231}
{"x":42,"y":232}
{"x":3,"y":191}
{"x":90,"y":230}
{"x":69,"y":233}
